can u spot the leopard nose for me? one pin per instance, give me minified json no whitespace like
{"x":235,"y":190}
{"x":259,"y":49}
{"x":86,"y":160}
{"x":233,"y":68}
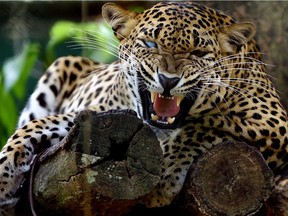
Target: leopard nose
{"x":168,"y":83}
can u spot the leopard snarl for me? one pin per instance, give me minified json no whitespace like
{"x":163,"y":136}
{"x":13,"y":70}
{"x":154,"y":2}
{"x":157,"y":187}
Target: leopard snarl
{"x":194,"y":74}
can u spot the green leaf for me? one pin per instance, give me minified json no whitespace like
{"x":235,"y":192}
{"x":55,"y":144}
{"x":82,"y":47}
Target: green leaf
{"x":8,"y":113}
{"x":60,"y":32}
{"x":29,"y":58}
{"x":95,"y":40}
{"x":13,"y":85}
{"x":17,"y":69}
{"x":137,"y":9}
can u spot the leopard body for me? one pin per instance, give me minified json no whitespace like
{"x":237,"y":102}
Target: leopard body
{"x":192,"y":73}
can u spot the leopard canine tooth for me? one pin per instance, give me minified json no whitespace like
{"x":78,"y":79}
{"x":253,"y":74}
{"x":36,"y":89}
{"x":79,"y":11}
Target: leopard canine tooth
{"x":154,"y":117}
{"x":179,"y":99}
{"x":153,"y":94}
{"x":170,"y":120}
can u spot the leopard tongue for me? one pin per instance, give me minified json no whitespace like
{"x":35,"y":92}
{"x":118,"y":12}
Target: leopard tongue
{"x":165,"y":106}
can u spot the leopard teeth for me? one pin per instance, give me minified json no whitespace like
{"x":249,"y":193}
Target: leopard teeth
{"x":162,"y":96}
{"x":170,"y":120}
{"x":179,"y":99}
{"x":154,"y":117}
{"x":153,"y":94}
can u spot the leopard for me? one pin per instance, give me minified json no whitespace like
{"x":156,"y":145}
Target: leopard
{"x":195,"y":75}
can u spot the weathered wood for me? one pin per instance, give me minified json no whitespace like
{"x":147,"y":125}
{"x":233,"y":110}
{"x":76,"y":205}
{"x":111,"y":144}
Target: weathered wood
{"x":277,"y":204}
{"x":105,"y":166}
{"x":230,"y":179}
{"x":108,"y":162}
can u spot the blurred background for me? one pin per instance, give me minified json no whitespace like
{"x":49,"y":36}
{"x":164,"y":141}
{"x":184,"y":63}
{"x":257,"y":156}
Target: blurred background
{"x":34,"y":33}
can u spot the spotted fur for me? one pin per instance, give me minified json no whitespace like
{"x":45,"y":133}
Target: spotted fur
{"x":192,"y":73}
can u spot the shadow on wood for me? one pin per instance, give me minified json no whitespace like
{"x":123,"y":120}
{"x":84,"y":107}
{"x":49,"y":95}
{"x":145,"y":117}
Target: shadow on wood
{"x":105,"y":166}
{"x":110,"y":161}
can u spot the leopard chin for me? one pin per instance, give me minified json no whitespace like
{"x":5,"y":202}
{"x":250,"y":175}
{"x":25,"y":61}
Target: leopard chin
{"x":165,"y":112}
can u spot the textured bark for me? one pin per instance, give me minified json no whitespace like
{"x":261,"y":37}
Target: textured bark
{"x":278,"y":202}
{"x":104,"y":171}
{"x":108,"y":170}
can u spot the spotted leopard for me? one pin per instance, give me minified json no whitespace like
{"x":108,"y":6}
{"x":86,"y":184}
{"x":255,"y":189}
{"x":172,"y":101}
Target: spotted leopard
{"x":192,"y":73}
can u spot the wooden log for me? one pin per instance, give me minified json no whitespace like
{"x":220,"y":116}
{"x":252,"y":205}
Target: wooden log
{"x":230,"y":179}
{"x":106,"y":164}
{"x":277,"y":204}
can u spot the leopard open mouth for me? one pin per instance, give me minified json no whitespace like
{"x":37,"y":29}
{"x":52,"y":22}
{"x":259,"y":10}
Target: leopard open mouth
{"x":166,"y":112}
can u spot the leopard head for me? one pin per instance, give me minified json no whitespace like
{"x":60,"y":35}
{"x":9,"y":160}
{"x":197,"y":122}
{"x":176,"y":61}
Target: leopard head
{"x":172,"y":51}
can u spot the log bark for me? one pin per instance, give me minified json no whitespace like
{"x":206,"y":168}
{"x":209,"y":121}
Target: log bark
{"x":277,"y":205}
{"x":110,"y":161}
{"x":104,"y":167}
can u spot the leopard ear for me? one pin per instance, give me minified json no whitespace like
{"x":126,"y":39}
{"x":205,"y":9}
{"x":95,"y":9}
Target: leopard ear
{"x":233,"y":36}
{"x":122,"y":21}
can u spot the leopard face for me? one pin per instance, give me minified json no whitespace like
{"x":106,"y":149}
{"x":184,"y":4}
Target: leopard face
{"x":177,"y":56}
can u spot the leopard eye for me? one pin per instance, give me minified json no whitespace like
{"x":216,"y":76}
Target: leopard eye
{"x":199,"y":53}
{"x":150,"y":44}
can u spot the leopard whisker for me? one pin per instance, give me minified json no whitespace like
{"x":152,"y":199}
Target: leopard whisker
{"x":233,"y":63}
{"x":211,"y":71}
{"x":92,"y":33}
{"x":248,"y":82}
{"x":243,"y":80}
{"x":194,"y":91}
{"x":96,"y":42}
{"x":93,"y":47}
{"x":235,"y":89}
{"x":88,"y":43}
{"x":236,"y":56}
{"x":102,"y":47}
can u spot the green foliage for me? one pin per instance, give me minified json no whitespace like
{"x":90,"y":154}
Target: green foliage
{"x":13,"y":81}
{"x":95,"y":41}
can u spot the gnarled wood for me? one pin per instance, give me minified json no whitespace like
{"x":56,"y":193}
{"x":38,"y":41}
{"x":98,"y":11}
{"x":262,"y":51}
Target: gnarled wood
{"x":277,"y":204}
{"x":105,"y":166}
{"x":109,"y":161}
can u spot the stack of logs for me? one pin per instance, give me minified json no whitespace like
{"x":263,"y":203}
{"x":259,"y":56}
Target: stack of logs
{"x":109,"y":162}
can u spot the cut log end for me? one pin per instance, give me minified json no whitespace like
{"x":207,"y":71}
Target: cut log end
{"x":230,"y":179}
{"x":107,"y":165}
